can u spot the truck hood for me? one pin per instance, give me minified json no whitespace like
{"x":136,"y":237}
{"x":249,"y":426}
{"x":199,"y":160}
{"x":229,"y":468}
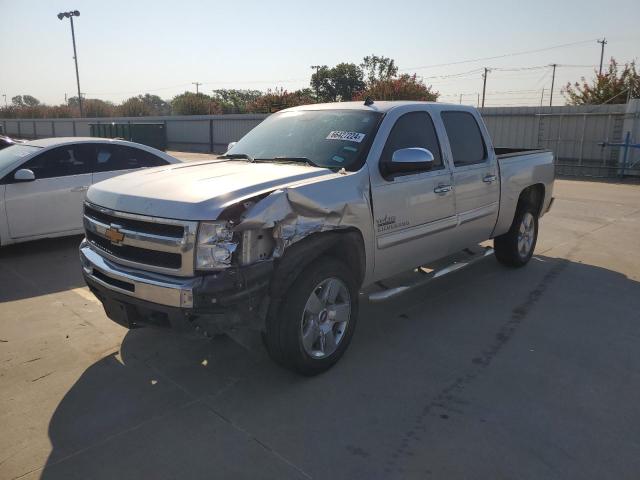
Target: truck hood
{"x":197,"y":190}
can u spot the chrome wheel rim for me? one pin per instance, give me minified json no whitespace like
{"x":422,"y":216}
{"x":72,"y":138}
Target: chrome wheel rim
{"x":526,"y":234}
{"x":325,"y":318}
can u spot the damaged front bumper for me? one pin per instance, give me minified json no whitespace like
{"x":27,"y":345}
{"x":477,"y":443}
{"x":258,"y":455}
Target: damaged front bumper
{"x":212,"y":302}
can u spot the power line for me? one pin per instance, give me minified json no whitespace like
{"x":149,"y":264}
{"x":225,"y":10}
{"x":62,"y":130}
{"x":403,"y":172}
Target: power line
{"x":513,"y":54}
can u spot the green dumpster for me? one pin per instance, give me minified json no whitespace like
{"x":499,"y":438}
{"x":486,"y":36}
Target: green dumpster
{"x":152,"y":134}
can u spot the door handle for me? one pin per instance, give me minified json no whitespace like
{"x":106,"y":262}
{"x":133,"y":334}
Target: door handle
{"x":442,"y":189}
{"x":83,"y":188}
{"x":489,"y":179}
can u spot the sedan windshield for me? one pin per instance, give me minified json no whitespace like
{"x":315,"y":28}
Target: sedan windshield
{"x":326,"y":138}
{"x":10,"y":154}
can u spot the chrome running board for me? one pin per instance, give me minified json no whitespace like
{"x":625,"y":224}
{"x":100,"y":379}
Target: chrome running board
{"x":424,"y":274}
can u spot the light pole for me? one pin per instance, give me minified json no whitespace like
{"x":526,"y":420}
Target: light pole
{"x":5,"y":99}
{"x":70,"y":15}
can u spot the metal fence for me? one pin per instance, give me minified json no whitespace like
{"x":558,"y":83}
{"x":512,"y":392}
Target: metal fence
{"x":574,"y":134}
{"x":191,"y":133}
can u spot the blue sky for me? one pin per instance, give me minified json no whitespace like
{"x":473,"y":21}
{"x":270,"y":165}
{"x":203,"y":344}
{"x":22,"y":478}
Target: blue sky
{"x":125,"y":48}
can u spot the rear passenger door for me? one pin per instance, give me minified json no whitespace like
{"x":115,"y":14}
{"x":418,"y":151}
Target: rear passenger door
{"x":413,"y":212}
{"x":113,"y":160}
{"x":475,"y":179}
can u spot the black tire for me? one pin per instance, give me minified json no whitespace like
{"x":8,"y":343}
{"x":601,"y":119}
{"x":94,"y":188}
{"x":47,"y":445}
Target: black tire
{"x":283,"y":336}
{"x":507,"y":249}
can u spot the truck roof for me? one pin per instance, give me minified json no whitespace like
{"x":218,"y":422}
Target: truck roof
{"x":382,"y":106}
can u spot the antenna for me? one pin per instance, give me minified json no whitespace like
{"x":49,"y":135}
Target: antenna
{"x":368,"y":101}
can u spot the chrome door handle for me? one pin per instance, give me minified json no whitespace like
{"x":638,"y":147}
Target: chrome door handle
{"x":442,"y":189}
{"x":83,"y":188}
{"x":489,"y":179}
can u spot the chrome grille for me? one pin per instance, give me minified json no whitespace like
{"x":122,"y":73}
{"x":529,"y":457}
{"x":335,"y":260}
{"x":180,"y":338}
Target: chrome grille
{"x":150,"y":243}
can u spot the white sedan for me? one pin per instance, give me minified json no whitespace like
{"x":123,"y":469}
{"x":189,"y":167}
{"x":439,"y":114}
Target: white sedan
{"x":43,"y":182}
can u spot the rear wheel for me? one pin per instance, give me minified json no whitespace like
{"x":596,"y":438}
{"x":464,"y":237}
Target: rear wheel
{"x":516,"y":247}
{"x":313,"y":327}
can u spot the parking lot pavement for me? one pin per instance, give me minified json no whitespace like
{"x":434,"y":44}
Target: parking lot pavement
{"x":486,"y":373}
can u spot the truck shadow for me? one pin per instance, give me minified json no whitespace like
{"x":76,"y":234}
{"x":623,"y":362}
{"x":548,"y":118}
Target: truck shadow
{"x":140,"y":414}
{"x":41,"y":267}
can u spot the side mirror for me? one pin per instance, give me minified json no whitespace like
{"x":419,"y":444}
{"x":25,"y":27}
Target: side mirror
{"x":231,"y":145}
{"x":24,"y":175}
{"x":408,"y":160}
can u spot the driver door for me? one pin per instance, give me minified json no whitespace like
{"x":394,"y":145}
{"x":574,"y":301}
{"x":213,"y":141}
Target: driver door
{"x":52,"y":203}
{"x":415,"y":212}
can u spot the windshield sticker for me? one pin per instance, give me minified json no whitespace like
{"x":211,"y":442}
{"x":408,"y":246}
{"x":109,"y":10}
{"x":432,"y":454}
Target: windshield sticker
{"x":347,"y":136}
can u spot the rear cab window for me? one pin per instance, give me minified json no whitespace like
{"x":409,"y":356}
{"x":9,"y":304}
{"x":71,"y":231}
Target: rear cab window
{"x":465,"y":138}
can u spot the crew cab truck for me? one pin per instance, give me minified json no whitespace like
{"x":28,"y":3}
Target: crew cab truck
{"x":314,"y":206}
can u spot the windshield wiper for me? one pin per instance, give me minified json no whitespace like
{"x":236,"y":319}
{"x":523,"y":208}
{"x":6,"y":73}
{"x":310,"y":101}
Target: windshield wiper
{"x":232,"y":156}
{"x":298,"y":159}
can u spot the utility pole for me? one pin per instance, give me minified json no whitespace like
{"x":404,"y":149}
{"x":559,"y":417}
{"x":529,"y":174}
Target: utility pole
{"x":460,"y":99}
{"x":66,"y":102}
{"x":484,"y":84}
{"x":5,"y":99}
{"x":317,"y":67}
{"x":70,"y":15}
{"x":478,"y":104}
{"x":602,"y":42}
{"x":197,"y":84}
{"x":542,"y":96}
{"x":553,"y":81}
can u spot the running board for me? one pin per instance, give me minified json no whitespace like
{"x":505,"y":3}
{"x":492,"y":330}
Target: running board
{"x":425,"y":275}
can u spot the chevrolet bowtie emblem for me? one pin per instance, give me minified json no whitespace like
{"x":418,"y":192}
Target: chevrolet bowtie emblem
{"x":114,"y":235}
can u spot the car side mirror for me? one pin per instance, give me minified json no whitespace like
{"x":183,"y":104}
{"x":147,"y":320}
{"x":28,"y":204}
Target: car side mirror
{"x":409,"y":160}
{"x":24,"y":175}
{"x":231,"y":145}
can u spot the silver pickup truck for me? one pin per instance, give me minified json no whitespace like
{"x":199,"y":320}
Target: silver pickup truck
{"x":311,"y":211}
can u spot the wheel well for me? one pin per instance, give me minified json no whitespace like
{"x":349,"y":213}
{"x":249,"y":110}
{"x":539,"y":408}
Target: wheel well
{"x":532,"y":196}
{"x":347,"y":245}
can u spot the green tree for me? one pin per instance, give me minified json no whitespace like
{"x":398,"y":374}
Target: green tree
{"x":405,"y":87}
{"x":25,"y":101}
{"x":92,"y":107}
{"x":235,"y":101}
{"x":613,"y":86}
{"x":279,"y":99}
{"x":144,"y":105}
{"x":189,"y":103}
{"x":378,"y":68}
{"x":341,"y":82}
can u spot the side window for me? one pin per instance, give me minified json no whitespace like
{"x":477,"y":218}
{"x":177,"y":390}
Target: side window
{"x":120,"y":157}
{"x":413,"y":129}
{"x":137,"y":158}
{"x":465,"y":138}
{"x":62,"y":161}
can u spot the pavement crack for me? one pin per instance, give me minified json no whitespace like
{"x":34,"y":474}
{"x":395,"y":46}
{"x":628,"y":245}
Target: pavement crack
{"x":40,"y":378}
{"x":443,"y":400}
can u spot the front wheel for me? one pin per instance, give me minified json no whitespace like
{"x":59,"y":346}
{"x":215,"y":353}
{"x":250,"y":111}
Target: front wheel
{"x":516,"y":247}
{"x":313,"y":327}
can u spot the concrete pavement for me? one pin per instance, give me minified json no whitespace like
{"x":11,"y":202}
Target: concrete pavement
{"x":486,"y":373}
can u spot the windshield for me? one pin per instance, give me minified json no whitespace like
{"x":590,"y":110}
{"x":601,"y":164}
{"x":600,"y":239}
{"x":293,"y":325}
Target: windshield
{"x":15,"y":152}
{"x":328,"y":138}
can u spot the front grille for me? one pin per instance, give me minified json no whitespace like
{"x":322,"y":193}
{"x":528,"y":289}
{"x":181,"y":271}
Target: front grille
{"x":153,"y":244}
{"x":175,"y":231}
{"x":135,"y":254}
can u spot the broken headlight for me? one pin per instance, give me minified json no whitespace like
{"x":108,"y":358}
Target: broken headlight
{"x":214,"y":245}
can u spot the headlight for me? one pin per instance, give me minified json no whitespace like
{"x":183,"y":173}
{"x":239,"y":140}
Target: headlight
{"x":214,"y":246}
